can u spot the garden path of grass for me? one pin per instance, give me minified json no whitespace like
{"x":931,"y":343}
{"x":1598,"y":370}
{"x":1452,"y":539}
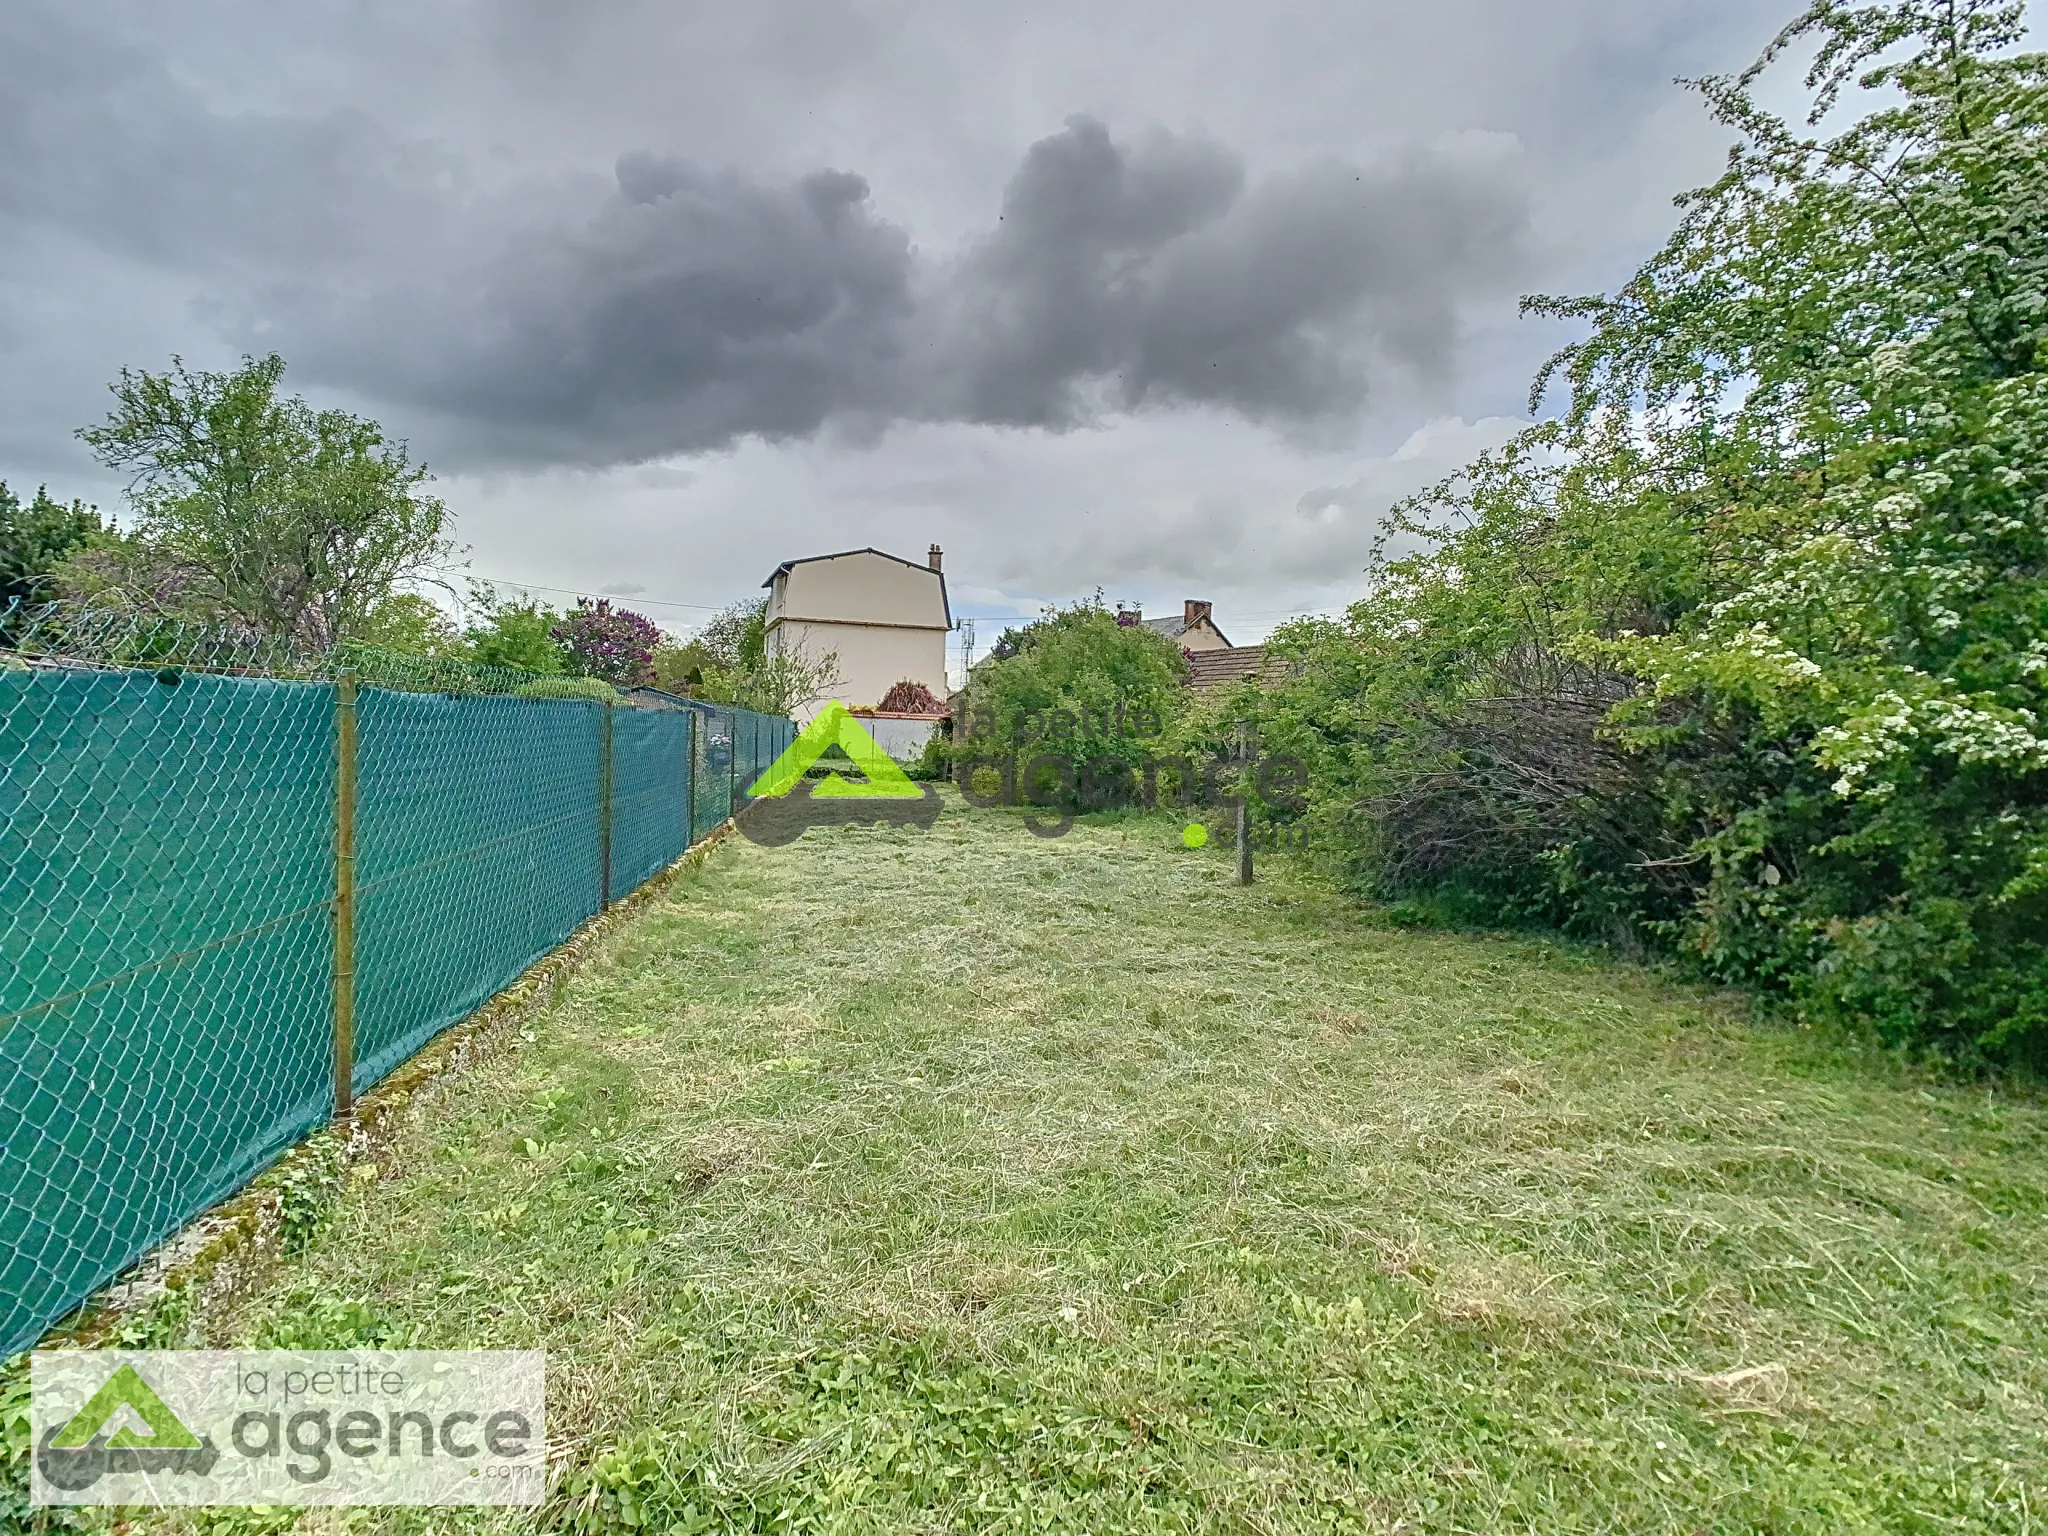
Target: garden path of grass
{"x":899,"y":1181}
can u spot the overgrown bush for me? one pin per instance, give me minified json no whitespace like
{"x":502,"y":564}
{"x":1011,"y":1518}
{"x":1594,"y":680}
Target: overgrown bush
{"x":1081,"y":686}
{"x":513,"y":633}
{"x":738,"y":664}
{"x":35,"y":537}
{"x":1744,"y":658}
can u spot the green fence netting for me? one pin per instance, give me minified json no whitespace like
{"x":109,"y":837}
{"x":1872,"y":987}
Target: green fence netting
{"x":714,"y":768}
{"x":167,"y":911}
{"x":741,"y":745}
{"x":650,"y":791}
{"x":166,"y":875}
{"x":736,"y":747}
{"x":476,"y":853}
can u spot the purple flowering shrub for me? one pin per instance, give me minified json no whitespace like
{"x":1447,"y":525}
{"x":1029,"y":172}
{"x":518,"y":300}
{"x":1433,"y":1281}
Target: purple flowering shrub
{"x":614,"y":644}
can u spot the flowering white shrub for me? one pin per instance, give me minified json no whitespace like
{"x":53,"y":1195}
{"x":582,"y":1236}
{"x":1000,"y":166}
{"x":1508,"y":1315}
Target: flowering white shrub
{"x":1747,"y":655}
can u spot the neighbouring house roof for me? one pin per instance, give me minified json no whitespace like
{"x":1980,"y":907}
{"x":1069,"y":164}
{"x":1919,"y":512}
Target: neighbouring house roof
{"x":1177,"y":626}
{"x":866,"y":549}
{"x":1223,"y":669}
{"x":901,"y":714}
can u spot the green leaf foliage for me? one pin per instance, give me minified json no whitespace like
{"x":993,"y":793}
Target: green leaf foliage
{"x":1065,"y":677}
{"x":412,"y":625}
{"x":513,"y":634}
{"x":734,"y":662}
{"x":35,"y":537}
{"x":292,"y":521}
{"x":1744,"y":658}
{"x":567,"y":688}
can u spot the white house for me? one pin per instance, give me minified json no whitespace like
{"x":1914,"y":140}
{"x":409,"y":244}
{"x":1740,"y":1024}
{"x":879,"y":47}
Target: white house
{"x":885,"y":617}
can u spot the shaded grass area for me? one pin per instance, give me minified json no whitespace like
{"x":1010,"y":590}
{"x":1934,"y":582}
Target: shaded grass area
{"x":970,"y":1181}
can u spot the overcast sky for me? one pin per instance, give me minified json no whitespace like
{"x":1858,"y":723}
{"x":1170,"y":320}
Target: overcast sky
{"x":1166,"y":298}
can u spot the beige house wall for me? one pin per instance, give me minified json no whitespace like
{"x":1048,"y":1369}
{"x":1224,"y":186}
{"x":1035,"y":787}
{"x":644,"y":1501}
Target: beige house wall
{"x":856,"y":588}
{"x":1203,"y":637}
{"x":886,"y":620}
{"x":872,"y":660}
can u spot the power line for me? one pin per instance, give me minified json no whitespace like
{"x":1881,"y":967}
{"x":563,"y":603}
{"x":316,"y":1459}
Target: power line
{"x":535,"y":586}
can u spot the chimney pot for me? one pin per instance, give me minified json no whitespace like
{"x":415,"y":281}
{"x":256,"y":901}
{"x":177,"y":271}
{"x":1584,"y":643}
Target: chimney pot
{"x":1193,"y":611}
{"x":932,"y":559}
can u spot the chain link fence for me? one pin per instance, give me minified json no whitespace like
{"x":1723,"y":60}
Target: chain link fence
{"x":230,"y":903}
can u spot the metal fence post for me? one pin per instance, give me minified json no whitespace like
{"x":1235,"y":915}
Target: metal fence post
{"x":604,"y":807}
{"x":732,"y":759}
{"x":344,"y":894}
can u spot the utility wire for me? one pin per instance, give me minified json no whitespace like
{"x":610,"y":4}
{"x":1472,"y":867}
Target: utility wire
{"x":535,"y":586}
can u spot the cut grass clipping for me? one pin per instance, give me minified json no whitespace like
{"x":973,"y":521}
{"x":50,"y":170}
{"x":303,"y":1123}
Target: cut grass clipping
{"x":968,"y":1181}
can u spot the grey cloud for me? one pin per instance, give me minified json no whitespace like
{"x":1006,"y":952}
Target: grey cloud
{"x":678,"y":309}
{"x":1234,"y":537}
{"x":689,"y":309}
{"x":686,"y":310}
{"x":1150,"y":272}
{"x":96,"y":137}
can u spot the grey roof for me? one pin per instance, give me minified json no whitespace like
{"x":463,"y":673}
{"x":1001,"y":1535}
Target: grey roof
{"x":1173,"y":628}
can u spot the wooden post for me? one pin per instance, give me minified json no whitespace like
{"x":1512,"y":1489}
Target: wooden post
{"x":1244,"y":813}
{"x":344,"y":895}
{"x":604,"y":808}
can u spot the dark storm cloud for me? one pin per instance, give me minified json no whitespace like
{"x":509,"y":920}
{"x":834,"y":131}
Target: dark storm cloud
{"x":1151,"y":272}
{"x":675,"y":308}
{"x":689,"y":309}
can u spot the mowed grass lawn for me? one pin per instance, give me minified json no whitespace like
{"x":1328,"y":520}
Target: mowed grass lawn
{"x":898,"y":1181}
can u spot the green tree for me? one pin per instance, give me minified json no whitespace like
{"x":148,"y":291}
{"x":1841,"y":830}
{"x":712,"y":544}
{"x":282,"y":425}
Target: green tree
{"x":413,"y":625}
{"x":1079,"y":685}
{"x":503,"y":633}
{"x":1747,"y":655}
{"x":785,"y":678}
{"x":737,"y":664}
{"x":36,"y":538}
{"x":737,"y":636}
{"x":679,"y":667}
{"x":292,"y":521}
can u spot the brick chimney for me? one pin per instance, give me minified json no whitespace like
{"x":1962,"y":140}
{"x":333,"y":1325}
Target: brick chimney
{"x":932,"y":558}
{"x":1194,"y":611}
